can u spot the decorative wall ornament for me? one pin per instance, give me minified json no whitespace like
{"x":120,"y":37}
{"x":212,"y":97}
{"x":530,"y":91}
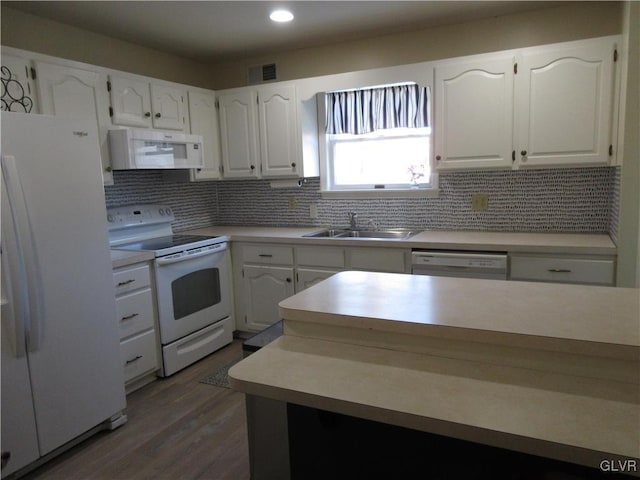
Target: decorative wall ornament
{"x":12,"y":95}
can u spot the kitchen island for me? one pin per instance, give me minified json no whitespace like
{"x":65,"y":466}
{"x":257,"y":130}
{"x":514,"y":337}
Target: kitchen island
{"x":548,"y":370}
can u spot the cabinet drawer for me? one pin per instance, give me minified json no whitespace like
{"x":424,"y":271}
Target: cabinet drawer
{"x":595,"y":271}
{"x":131,"y":278}
{"x":378,"y":259}
{"x":268,"y":254}
{"x":320,"y":257}
{"x":134,"y":312}
{"x":139,"y":355}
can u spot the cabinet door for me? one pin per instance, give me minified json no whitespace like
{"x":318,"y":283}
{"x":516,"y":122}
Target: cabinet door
{"x":474,"y":114}
{"x":77,"y":93}
{"x":131,"y":102}
{"x":264,"y":288}
{"x":238,"y":134}
{"x":167,"y":105}
{"x":279,"y":137}
{"x":203,"y":118}
{"x":564,"y":104}
{"x":18,"y":90}
{"x":306,"y":277}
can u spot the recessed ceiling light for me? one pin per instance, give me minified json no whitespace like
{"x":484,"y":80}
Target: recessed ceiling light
{"x":281,"y":16}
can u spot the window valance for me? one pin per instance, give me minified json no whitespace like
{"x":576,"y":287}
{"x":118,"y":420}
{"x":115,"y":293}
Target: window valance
{"x":367,"y":110}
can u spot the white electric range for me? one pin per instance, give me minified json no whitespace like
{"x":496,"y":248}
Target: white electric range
{"x":192,"y":282}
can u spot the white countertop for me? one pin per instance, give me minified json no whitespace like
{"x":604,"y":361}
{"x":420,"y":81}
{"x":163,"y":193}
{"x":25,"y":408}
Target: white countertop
{"x":122,"y":258}
{"x":525,"y":366}
{"x":577,"y":243}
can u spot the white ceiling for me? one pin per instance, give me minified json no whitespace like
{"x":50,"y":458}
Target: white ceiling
{"x":211,"y":31}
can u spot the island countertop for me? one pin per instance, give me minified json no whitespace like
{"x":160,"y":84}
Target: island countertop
{"x":545,"y":369}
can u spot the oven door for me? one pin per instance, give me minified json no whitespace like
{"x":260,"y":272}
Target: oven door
{"x":193,"y":290}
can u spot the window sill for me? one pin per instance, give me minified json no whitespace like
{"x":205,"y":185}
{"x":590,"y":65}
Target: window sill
{"x":382,"y":193}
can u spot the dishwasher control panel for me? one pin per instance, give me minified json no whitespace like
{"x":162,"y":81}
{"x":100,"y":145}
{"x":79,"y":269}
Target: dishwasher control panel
{"x":459,"y":264}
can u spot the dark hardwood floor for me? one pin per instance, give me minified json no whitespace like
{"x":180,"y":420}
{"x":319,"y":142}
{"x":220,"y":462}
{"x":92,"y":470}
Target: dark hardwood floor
{"x":177,"y":428}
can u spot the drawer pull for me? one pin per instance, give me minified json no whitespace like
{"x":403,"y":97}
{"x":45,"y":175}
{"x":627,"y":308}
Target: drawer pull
{"x":265,"y":255}
{"x":129,"y":317}
{"x":559,"y":270}
{"x":126,"y":282}
{"x":134,"y":359}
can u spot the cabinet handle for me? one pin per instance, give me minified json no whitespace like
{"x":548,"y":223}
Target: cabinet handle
{"x":6,"y":456}
{"x":147,"y":114}
{"x":523,"y":153}
{"x":126,"y":282}
{"x":559,"y":270}
{"x":288,"y":280}
{"x":438,"y":157}
{"x":158,"y":115}
{"x":134,"y":359}
{"x":252,"y":167}
{"x":265,"y":255}
{"x":293,"y":164}
{"x":129,"y":317}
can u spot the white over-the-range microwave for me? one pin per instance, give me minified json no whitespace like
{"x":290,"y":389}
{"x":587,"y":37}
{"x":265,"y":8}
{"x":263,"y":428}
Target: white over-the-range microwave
{"x":135,"y":148}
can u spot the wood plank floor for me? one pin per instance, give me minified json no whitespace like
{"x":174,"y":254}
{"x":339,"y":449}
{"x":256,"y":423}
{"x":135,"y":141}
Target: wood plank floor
{"x":177,"y":428}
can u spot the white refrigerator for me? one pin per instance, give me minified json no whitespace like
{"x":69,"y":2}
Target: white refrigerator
{"x":61,"y":371}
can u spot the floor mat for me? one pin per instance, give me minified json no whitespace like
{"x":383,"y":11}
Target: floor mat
{"x":221,"y":377}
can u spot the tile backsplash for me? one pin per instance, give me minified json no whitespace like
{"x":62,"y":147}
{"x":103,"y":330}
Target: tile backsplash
{"x":548,"y":200}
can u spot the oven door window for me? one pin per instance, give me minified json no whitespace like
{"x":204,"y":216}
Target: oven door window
{"x":195,"y":291}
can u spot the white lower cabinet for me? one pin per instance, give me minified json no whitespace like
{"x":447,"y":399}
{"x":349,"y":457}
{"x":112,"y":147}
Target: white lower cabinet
{"x":136,"y":319}
{"x":266,"y":274}
{"x":264,"y":287}
{"x":588,"y":270}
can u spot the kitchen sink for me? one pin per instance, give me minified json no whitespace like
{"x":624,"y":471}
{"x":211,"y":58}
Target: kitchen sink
{"x":364,"y":234}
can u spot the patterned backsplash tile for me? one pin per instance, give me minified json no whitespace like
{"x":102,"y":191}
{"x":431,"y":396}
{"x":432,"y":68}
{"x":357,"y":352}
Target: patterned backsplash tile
{"x":549,"y":200}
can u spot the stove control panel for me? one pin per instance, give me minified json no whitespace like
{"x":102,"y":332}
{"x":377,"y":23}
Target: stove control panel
{"x":131,"y":215}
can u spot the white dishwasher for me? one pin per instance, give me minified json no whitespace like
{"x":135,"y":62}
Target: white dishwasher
{"x":442,"y":263}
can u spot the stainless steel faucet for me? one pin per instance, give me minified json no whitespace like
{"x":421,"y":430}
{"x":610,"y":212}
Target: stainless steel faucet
{"x":353,"y":220}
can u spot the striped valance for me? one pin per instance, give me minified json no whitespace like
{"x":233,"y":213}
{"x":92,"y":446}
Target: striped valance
{"x":367,"y":110}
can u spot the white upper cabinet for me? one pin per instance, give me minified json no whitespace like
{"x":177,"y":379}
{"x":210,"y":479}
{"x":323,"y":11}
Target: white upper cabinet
{"x":18,"y":89}
{"x":260,"y":133}
{"x":203,"y":118}
{"x":474,"y":114}
{"x":238,"y":134}
{"x":75,"y":92}
{"x":138,"y":103}
{"x":564,"y":105}
{"x":538,"y":107}
{"x":279,"y":132}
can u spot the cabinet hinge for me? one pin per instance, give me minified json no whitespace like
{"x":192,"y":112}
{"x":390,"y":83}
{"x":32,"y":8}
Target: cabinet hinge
{"x":243,"y":273}
{"x":33,"y":73}
{"x":513,"y":155}
{"x":221,"y":169}
{"x":515,"y":68}
{"x":217,"y":104}
{"x":610,"y":150}
{"x":615,"y":55}
{"x":111,"y":111}
{"x":108,"y":86}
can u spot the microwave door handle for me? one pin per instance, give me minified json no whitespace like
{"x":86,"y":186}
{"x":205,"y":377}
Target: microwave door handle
{"x":161,"y":262}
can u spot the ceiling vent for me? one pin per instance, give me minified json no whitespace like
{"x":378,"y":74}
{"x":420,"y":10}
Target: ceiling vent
{"x":262,"y":73}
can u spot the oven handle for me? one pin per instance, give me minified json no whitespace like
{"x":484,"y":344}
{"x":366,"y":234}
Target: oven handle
{"x":167,"y":261}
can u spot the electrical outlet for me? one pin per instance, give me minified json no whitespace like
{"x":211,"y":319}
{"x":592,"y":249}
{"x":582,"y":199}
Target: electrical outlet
{"x":313,"y":211}
{"x":479,"y":201}
{"x":293,"y":202}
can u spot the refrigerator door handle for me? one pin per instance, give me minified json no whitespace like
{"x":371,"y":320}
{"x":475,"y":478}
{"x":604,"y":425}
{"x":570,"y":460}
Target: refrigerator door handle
{"x":27,"y":252}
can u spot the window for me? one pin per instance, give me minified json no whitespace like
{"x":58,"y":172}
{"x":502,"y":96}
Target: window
{"x":378,"y":142}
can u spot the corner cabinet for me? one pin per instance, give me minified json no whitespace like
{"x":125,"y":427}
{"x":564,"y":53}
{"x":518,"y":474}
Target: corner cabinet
{"x":203,"y":119}
{"x":79,"y":93}
{"x":537,"y":107}
{"x":260,"y":133}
